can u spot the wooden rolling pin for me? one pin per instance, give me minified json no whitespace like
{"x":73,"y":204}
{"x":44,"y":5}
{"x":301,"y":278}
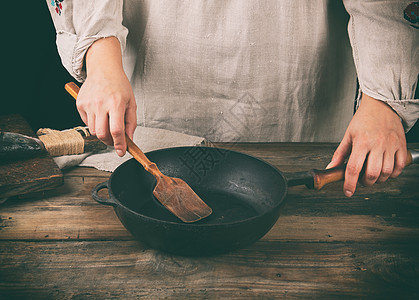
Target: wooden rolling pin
{"x":15,"y":146}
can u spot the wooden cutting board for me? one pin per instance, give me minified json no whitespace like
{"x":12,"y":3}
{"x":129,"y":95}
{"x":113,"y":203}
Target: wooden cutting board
{"x":29,"y":175}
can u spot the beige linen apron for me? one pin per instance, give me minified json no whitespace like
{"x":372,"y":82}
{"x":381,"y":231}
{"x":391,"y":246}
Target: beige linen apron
{"x":242,"y":70}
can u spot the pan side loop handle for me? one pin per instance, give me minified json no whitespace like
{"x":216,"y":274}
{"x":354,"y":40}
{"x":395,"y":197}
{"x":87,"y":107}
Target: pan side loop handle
{"x":96,"y":197}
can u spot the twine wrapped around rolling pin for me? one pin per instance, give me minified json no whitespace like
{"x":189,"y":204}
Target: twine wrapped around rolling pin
{"x":15,"y":146}
{"x":66,"y":142}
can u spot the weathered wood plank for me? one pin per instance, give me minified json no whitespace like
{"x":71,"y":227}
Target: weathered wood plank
{"x":69,"y":212}
{"x":127,"y":270}
{"x":62,"y":244}
{"x":29,"y":175}
{"x":88,"y":221}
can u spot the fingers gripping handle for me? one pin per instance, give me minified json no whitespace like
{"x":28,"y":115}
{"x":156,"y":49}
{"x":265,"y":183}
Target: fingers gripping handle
{"x":132,"y":148}
{"x":323,"y":177}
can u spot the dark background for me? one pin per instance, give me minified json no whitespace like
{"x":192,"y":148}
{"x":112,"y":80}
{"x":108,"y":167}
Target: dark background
{"x":34,"y":76}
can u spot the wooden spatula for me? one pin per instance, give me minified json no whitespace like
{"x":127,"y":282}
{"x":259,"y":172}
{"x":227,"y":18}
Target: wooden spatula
{"x":174,"y":193}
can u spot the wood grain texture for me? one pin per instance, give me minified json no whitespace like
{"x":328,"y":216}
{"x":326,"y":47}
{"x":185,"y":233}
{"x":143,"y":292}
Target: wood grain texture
{"x":63,"y":245}
{"x":30,"y":175}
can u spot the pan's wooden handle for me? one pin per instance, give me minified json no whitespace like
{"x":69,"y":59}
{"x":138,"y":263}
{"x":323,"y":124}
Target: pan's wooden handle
{"x":323,"y":177}
{"x":132,"y":148}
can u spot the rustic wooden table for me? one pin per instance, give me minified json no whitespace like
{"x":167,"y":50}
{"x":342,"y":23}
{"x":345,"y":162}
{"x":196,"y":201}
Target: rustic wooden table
{"x":61,"y":244}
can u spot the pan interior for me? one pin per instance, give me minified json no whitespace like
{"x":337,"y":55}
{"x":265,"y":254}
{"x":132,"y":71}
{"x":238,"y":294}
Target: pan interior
{"x":237,"y":187}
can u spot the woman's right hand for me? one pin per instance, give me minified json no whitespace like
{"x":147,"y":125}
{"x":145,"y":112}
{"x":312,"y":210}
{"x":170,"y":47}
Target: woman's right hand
{"x":106,"y":102}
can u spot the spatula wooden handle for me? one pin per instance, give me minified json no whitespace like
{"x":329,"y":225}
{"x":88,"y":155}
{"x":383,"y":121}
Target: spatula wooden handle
{"x":132,"y":148}
{"x":73,"y":89}
{"x":323,"y":177}
{"x":139,"y":155}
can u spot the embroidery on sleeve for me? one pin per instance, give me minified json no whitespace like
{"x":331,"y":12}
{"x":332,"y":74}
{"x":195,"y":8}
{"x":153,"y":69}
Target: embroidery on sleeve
{"x":58,"y":6}
{"x":411,"y":14}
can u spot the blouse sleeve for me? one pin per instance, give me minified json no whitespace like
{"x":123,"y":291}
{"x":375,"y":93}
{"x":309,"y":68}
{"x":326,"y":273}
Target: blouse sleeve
{"x":79,"y":24}
{"x":384,"y":37}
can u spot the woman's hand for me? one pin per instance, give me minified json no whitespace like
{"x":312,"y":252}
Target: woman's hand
{"x":374,"y":140}
{"x":106,"y":101}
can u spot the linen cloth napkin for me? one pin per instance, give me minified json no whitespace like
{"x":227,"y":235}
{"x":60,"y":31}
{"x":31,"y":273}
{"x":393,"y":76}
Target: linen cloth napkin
{"x":148,"y":139}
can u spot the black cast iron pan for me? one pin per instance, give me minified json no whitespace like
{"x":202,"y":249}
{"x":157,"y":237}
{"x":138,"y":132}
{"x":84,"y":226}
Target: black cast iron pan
{"x":244,"y":192}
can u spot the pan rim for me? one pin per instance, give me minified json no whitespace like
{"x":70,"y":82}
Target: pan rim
{"x":197,"y":224}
